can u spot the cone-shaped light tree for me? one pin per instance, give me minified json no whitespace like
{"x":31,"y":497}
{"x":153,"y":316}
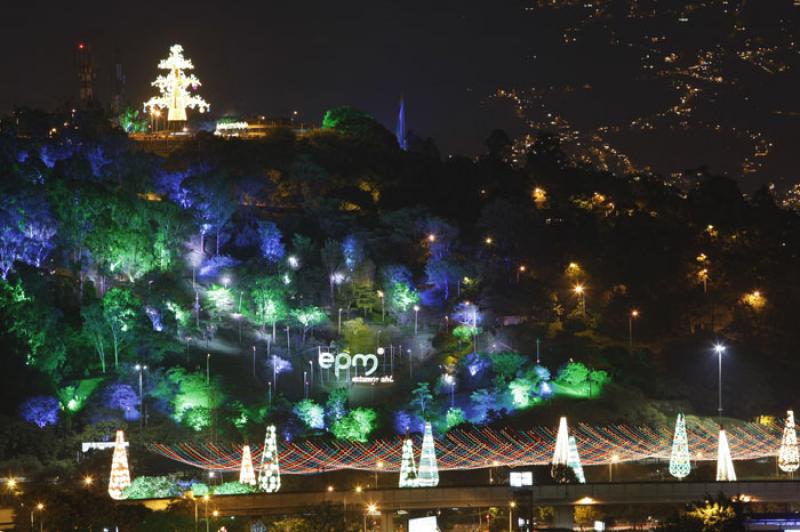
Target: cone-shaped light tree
{"x":408,"y":470}
{"x":725,"y":471}
{"x":175,"y":87}
{"x":561,"y":453}
{"x":680,"y":463}
{"x":428,"y":475}
{"x":788,"y":457}
{"x":120,"y":474}
{"x":247,"y":474}
{"x":269,"y":474}
{"x":574,"y":461}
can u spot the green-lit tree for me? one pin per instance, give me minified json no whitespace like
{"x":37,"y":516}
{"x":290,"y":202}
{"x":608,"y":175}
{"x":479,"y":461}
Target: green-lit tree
{"x":308,"y":317}
{"x":422,"y":397}
{"x":119,"y":312}
{"x":269,"y":299}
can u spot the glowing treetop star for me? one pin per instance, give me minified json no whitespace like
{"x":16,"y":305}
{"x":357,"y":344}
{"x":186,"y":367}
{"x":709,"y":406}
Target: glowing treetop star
{"x":174,"y":87}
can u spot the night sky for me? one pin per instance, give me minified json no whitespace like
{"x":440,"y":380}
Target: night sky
{"x":611,"y":77}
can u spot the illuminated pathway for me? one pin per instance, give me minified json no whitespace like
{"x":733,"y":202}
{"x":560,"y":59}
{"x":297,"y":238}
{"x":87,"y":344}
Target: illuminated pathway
{"x":481,"y":448}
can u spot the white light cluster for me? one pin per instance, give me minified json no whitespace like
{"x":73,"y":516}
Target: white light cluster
{"x":175,"y":86}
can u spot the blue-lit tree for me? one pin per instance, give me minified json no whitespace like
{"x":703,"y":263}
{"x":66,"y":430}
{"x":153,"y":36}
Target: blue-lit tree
{"x":270,"y":242}
{"x":122,"y":397}
{"x":26,"y":231}
{"x":41,"y":410}
{"x":352,"y":252}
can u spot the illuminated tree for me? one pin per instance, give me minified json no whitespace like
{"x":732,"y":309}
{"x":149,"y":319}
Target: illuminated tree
{"x":221,"y":298}
{"x":522,"y":392}
{"x":680,"y":464}
{"x":94,"y":328}
{"x":355,"y":425}
{"x":454,"y":417}
{"x":120,"y":477}
{"x":428,"y":476}
{"x":408,"y":470}
{"x":310,"y":413}
{"x":574,"y":461}
{"x":119,"y":313}
{"x":269,"y":241}
{"x":175,"y":86}
{"x":422,"y":396}
{"x":788,"y":457}
{"x":26,"y":231}
{"x":402,"y":297}
{"x":332,"y":260}
{"x":40,"y":410}
{"x":132,"y":121}
{"x":308,"y":317}
{"x":270,"y":302}
{"x":725,"y":471}
{"x":246,"y":473}
{"x":269,"y":475}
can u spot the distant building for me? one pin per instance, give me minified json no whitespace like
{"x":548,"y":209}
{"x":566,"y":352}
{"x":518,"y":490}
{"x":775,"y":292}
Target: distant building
{"x":256,"y":127}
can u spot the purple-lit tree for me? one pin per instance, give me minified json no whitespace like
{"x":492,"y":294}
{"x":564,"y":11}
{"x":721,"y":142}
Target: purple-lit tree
{"x":269,"y":242}
{"x":41,"y":410}
{"x":26,"y":232}
{"x":122,"y":397}
{"x":214,"y":205}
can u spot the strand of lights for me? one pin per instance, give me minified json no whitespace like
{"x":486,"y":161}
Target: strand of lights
{"x":428,"y":476}
{"x":120,"y":477}
{"x":680,"y":461}
{"x":481,"y":448}
{"x":561,"y":453}
{"x":269,"y":474}
{"x":246,"y":474}
{"x":408,"y":470}
{"x":725,"y":471}
{"x":788,"y":456}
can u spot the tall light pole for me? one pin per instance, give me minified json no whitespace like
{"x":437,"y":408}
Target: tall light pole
{"x":511,"y":507}
{"x":520,"y":270}
{"x":208,"y":369}
{"x":254,"y":361}
{"x":416,"y":319}
{"x":580,"y":291}
{"x":39,"y":507}
{"x":140,"y":368}
{"x":340,"y":322}
{"x":383,"y":305}
{"x":719,"y":349}
{"x":632,"y":316}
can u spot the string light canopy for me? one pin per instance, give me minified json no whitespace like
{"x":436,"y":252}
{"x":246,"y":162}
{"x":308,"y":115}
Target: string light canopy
{"x":120,"y":477}
{"x":788,"y":456}
{"x":175,"y":87}
{"x":469,"y":449}
{"x":680,"y":461}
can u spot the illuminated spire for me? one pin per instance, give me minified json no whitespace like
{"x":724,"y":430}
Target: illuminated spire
{"x":680,"y":464}
{"x":725,"y":472}
{"x":246,"y":474}
{"x":408,"y":471}
{"x":574,"y":461}
{"x":175,"y":87}
{"x":120,"y":477}
{"x":269,"y":474}
{"x":788,"y":457}
{"x":428,"y":476}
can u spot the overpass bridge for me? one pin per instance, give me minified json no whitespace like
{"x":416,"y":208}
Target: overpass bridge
{"x":563,"y":497}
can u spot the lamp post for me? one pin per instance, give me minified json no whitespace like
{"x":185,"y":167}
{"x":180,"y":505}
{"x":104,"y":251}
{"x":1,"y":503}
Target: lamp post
{"x":632,"y":316}
{"x":254,"y":361}
{"x":340,"y":322}
{"x":520,"y":270}
{"x":208,"y":369}
{"x":511,"y":507}
{"x":719,"y":349}
{"x":140,"y":368}
{"x":39,"y":507}
{"x":580,"y":291}
{"x":416,"y":319}
{"x":205,"y":499}
{"x":383,"y":305}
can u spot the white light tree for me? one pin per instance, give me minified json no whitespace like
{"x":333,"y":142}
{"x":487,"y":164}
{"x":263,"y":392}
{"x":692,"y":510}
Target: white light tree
{"x":725,"y":471}
{"x":561,"y":452}
{"x":574,"y":461}
{"x":175,"y":87}
{"x":428,"y":476}
{"x":247,"y":474}
{"x":680,"y":464}
{"x":120,"y":477}
{"x":789,"y":457}
{"x":269,"y":474}
{"x":408,"y":470}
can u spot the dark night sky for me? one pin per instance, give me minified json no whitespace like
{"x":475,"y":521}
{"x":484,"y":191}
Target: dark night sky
{"x":273,"y":57}
{"x":590,"y":69}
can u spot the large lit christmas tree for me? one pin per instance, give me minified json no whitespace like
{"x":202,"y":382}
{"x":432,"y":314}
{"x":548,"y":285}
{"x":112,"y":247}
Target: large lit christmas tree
{"x":120,"y":474}
{"x":175,"y":87}
{"x":246,"y":473}
{"x":428,"y":475}
{"x":269,"y":474}
{"x":408,"y":470}
{"x":574,"y":461}
{"x":561,"y":453}
{"x":680,"y":464}
{"x":725,"y":471}
{"x":788,"y":457}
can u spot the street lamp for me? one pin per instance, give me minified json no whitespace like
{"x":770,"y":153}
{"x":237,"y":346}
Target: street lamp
{"x":39,"y":507}
{"x":208,"y":369}
{"x":140,"y":368}
{"x":719,"y":349}
{"x":416,"y":319}
{"x":632,"y":316}
{"x":88,"y":481}
{"x":205,"y":500}
{"x":340,"y":321}
{"x":511,"y":507}
{"x":520,"y":270}
{"x":383,"y":305}
{"x":580,"y":291}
